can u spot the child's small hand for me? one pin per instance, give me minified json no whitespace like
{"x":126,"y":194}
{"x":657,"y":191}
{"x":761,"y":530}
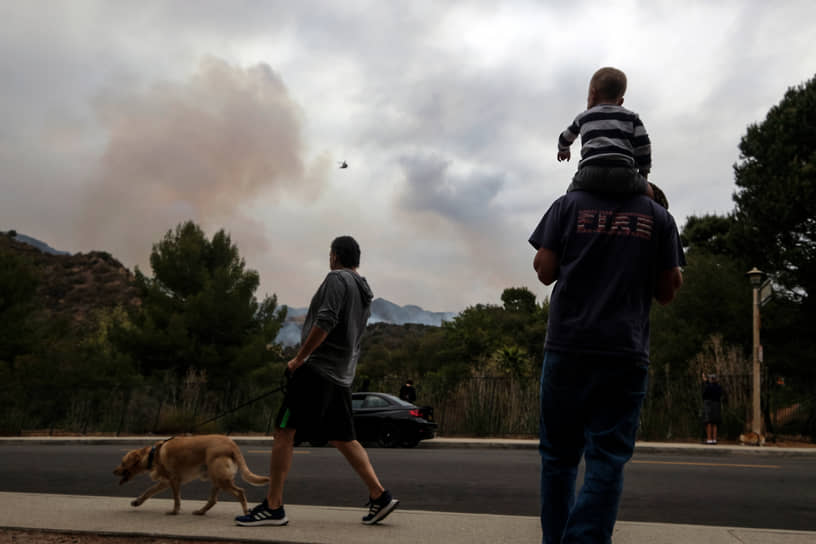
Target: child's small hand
{"x":563,"y":155}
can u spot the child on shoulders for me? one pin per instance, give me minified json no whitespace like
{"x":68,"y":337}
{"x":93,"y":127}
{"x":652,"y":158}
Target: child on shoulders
{"x":616,"y":153}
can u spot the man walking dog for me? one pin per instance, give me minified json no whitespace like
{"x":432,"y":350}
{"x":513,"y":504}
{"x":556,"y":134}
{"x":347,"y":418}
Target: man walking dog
{"x":318,"y":399}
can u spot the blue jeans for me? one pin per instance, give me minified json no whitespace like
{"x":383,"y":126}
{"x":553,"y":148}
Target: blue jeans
{"x":590,"y":407}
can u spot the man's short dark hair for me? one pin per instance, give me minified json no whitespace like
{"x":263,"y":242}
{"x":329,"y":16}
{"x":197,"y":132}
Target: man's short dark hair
{"x":347,"y":251}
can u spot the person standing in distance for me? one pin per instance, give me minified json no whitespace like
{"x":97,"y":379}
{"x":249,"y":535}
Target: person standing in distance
{"x":317,"y":404}
{"x":608,"y":255}
{"x":712,"y":407}
{"x":408,"y":392}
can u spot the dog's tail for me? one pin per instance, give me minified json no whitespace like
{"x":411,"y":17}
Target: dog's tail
{"x":247,"y":475}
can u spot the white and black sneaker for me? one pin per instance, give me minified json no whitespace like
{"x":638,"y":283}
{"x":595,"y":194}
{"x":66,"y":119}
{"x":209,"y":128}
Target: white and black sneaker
{"x":379,"y":508}
{"x":263,"y":515}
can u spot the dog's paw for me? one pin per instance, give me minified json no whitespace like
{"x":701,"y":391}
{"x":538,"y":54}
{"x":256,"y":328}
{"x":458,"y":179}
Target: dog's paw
{"x":172,"y":513}
{"x":136,"y":502}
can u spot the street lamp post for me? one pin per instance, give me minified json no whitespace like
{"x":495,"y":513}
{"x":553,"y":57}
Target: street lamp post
{"x":755,"y":277}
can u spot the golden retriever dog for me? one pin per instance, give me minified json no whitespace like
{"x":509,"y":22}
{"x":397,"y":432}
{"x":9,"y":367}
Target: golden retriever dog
{"x":181,"y":459}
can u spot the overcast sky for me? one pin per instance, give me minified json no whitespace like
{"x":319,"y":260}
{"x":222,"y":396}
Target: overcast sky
{"x":122,"y":119}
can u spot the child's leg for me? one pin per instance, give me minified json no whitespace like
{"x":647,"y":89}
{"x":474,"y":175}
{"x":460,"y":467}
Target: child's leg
{"x":609,"y":179}
{"x":602,"y":179}
{"x":589,"y":178}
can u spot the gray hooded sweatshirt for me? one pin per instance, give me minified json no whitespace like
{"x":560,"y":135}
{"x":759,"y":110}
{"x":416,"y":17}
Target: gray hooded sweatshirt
{"x":340,"y":307}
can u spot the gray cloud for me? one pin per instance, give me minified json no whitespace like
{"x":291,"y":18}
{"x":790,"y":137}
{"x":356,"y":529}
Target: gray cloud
{"x":431,"y":187}
{"x":458,"y":223}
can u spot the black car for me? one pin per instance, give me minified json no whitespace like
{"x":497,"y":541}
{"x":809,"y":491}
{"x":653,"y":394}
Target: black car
{"x":390,"y":421}
{"x":387,"y":420}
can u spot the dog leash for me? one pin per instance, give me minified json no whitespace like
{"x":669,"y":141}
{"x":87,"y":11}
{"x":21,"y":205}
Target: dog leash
{"x":283,"y":385}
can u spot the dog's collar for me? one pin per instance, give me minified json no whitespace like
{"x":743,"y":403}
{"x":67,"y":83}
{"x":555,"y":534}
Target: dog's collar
{"x":150,"y":457}
{"x":153,"y":451}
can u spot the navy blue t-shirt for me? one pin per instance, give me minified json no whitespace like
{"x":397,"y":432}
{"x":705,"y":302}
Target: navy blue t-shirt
{"x":610,"y":250}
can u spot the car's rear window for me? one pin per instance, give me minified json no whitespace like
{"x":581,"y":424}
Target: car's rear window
{"x":375,"y":402}
{"x":361,"y":400}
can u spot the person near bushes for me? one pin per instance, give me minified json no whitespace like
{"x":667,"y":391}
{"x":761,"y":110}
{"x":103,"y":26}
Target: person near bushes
{"x":317,"y":404}
{"x":609,"y":255}
{"x":408,"y":392}
{"x":712,"y":406}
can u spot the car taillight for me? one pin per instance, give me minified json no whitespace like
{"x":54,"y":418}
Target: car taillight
{"x":416,"y":413}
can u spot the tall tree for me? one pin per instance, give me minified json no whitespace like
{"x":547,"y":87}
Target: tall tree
{"x":715,"y":300}
{"x":199,"y":309}
{"x":507,"y":338}
{"x":714,"y":235}
{"x":518,"y":299}
{"x":776,"y":180}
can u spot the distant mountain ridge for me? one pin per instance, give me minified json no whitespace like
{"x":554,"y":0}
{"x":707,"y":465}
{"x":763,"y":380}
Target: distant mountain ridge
{"x":385,"y":311}
{"x":382,"y":311}
{"x":39,"y":244}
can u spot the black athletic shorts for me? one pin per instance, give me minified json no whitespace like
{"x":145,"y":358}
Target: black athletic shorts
{"x":317,"y":408}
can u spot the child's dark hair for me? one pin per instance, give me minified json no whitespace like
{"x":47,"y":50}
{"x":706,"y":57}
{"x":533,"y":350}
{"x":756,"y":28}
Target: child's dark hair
{"x":609,"y":83}
{"x":347,"y":251}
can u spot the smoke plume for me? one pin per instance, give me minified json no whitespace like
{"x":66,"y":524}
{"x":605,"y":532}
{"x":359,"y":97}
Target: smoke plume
{"x":199,"y":149}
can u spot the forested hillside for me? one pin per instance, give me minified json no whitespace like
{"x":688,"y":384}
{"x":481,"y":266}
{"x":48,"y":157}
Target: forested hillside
{"x":73,"y":287}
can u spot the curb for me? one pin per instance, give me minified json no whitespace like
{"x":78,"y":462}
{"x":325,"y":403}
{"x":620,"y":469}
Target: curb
{"x":435,"y":443}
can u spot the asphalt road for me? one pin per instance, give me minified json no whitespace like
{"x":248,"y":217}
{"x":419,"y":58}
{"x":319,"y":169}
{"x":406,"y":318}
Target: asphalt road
{"x":728,"y":490}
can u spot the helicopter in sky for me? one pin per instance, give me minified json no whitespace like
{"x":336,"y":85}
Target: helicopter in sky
{"x":343,"y":164}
